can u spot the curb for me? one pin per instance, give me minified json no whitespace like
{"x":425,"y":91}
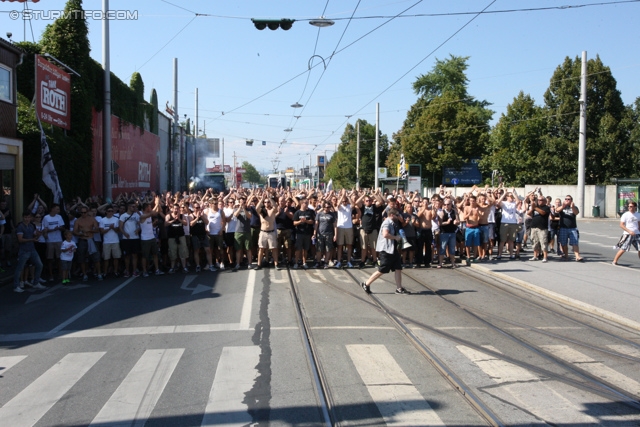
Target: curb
{"x":588,"y":308}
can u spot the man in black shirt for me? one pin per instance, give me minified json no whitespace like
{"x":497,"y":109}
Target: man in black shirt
{"x":284,"y":225}
{"x":303,"y":221}
{"x":371,"y":208}
{"x":569,"y":228}
{"x":325,"y":232}
{"x":539,"y":212}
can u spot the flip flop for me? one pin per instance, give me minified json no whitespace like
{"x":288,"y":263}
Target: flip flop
{"x":579,"y":259}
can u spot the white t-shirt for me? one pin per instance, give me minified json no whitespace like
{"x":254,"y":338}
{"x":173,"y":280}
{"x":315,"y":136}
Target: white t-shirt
{"x":630,"y":220}
{"x":110,"y":236}
{"x":509,"y":214}
{"x":131,"y":223}
{"x":231,"y":225}
{"x":344,"y":216}
{"x":97,"y":237}
{"x":50,"y":222}
{"x":215,"y":222}
{"x":146,"y":229}
{"x":64,"y":255}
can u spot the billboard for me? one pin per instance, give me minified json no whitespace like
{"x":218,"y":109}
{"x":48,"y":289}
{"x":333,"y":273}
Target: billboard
{"x":53,"y":94}
{"x":467,"y":174}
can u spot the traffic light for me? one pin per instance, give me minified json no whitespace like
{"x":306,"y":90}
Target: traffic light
{"x":273,"y":24}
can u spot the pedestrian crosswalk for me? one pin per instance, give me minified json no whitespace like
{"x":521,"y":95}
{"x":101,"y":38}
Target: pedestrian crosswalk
{"x":382,"y":378}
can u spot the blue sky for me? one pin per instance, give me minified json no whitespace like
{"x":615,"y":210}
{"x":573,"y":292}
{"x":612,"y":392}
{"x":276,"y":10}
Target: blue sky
{"x":254,"y":76}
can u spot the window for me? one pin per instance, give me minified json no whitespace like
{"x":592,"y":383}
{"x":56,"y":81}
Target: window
{"x":6,"y":93}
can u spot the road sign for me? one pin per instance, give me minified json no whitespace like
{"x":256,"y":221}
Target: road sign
{"x":240,"y":170}
{"x":455,"y":181}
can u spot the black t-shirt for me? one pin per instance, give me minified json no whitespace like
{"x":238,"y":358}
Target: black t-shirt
{"x":176,"y":229}
{"x":283,"y":222}
{"x":371,"y":217}
{"x":8,"y":229}
{"x":541,"y":221}
{"x":198,"y":229}
{"x":326,"y":222}
{"x":304,"y":228}
{"x":451,"y":227}
{"x":568,"y":219}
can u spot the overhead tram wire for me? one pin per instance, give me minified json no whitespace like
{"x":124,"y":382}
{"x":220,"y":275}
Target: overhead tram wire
{"x":419,"y":62}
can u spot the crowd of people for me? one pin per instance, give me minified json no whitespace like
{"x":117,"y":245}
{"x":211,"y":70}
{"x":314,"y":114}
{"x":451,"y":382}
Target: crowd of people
{"x":153,"y":234}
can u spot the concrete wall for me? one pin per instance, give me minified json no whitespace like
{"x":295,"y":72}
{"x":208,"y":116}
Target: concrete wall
{"x":594,"y":195}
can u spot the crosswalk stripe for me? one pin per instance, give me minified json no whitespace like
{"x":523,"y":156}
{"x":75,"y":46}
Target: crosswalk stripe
{"x":398,"y":401}
{"x":526,"y":389}
{"x":245,"y":316}
{"x":137,"y":395}
{"x":626,"y":349}
{"x":35,"y":400}
{"x":235,"y":375}
{"x":594,"y":367}
{"x":9,"y":362}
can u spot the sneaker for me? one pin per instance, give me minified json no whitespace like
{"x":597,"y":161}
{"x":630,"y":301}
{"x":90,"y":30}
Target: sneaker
{"x":295,"y":266}
{"x":468,"y":261}
{"x":326,"y":266}
{"x":126,"y":274}
{"x":337,"y":265}
{"x":27,"y":284}
{"x":66,"y":281}
{"x":235,"y":267}
{"x":413,"y":265}
{"x":136,"y":274}
{"x":212,"y":269}
{"x":544,"y":260}
{"x":221,"y":267}
{"x":85,"y":278}
{"x":349,"y":265}
{"x":39,"y":287}
{"x":145,"y":274}
{"x":278,"y":266}
{"x":317,"y":265}
{"x":257,"y":267}
{"x":19,"y":289}
{"x":185,"y":270}
{"x":366,"y":288}
{"x":159,"y":272}
{"x":41,"y":280}
{"x":305,"y":266}
{"x":51,"y":279}
{"x":512,"y":257}
{"x":533,"y":258}
{"x":171,"y":271}
{"x":116,"y":275}
{"x":197,"y":269}
{"x":100,"y":277}
{"x":402,"y":291}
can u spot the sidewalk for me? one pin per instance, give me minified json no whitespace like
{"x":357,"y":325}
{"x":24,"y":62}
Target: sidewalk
{"x":595,"y":286}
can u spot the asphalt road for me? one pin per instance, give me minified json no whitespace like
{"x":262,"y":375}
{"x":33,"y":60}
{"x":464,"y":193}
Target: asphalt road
{"x":465,"y":348}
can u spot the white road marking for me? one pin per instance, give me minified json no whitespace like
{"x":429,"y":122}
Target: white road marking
{"x":90,"y":307}
{"x":340,"y":277}
{"x":310,"y":276}
{"x":353,"y":327}
{"x":273,"y":276}
{"x":33,"y":402}
{"x":398,"y":401}
{"x":594,"y":367}
{"x":235,"y":375}
{"x":199,"y":288}
{"x":626,"y":349}
{"x":137,"y":395}
{"x":245,"y":317}
{"x":524,"y":389}
{"x":9,"y":362}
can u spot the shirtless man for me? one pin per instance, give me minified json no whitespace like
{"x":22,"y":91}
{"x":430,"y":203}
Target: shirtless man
{"x":84,"y":229}
{"x":471,"y":215}
{"x":485,"y":205}
{"x":268,"y":237}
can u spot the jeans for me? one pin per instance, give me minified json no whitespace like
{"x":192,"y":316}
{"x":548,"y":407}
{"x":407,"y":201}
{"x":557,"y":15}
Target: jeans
{"x":23,"y":257}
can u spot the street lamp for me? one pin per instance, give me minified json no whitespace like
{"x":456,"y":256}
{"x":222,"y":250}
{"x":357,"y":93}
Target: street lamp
{"x":297,"y":105}
{"x":321,"y":22}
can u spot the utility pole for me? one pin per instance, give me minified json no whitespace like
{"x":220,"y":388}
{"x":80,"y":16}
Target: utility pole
{"x":375,"y":172}
{"x":177,"y":165}
{"x":582,"y":141}
{"x":107,"y":164}
{"x":195,"y":141}
{"x":358,"y":154}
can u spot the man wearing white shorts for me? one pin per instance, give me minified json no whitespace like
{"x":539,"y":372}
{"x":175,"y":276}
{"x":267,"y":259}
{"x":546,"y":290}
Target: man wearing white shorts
{"x":268,"y":238}
{"x":109,"y":228}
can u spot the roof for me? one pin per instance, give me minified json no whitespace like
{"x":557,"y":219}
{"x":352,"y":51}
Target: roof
{"x":10,"y":46}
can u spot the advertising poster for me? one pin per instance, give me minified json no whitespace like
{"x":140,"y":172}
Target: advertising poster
{"x":53,"y":94}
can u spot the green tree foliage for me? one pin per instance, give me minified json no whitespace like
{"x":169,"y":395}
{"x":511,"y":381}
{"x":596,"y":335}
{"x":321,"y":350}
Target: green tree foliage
{"x":446,"y":127}
{"x":67,"y":39}
{"x":607,"y":131}
{"x":517,"y":143}
{"x":251,"y":173}
{"x":153,"y":112}
{"x":26,"y":70}
{"x":342,"y":167}
{"x":139,"y":106}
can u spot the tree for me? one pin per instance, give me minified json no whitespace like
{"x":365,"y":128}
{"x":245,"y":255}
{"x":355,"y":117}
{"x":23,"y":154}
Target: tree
{"x":446,"y":127}
{"x":251,"y":174}
{"x":153,"y":112}
{"x":342,"y":167}
{"x":607,"y":130}
{"x":517,"y":142}
{"x":139,"y":106}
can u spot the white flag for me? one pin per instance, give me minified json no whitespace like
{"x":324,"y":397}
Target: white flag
{"x":403,"y":167}
{"x":49,"y":175}
{"x":329,"y":186}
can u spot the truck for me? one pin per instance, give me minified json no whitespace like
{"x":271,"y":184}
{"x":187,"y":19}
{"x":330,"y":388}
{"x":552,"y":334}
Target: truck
{"x":215,"y":180}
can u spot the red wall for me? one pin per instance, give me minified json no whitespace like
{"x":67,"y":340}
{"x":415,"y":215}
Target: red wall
{"x":135,"y":153}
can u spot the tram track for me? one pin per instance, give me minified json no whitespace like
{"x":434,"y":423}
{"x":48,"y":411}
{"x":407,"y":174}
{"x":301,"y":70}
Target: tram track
{"x":579,"y":378}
